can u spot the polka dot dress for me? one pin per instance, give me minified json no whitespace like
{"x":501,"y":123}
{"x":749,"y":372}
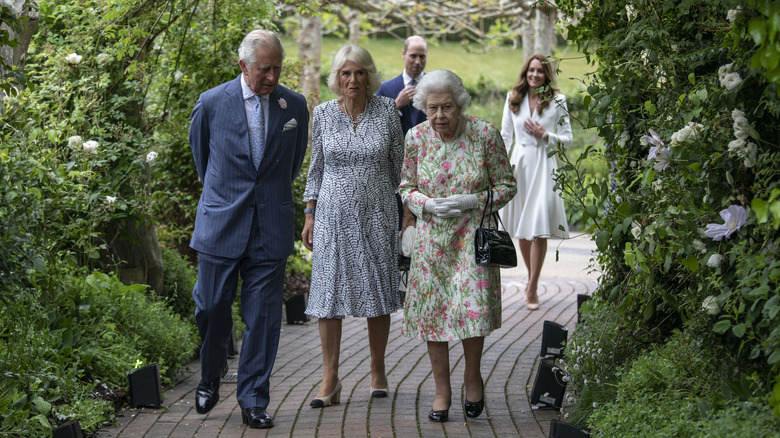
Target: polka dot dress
{"x":353,"y":176}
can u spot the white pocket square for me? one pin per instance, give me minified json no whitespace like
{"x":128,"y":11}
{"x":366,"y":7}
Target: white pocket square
{"x":291,"y":124}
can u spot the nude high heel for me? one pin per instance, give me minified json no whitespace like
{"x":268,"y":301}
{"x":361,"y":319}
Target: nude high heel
{"x":331,"y":399}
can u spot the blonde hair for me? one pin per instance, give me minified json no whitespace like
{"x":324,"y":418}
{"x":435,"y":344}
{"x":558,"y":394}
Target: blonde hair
{"x":363,"y":59}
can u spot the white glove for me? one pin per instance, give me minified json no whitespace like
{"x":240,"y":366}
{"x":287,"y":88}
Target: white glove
{"x":464,"y":202}
{"x":453,"y":206}
{"x":441,"y":207}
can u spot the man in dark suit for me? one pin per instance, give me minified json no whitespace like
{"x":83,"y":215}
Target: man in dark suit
{"x":401,"y":87}
{"x":248,"y":137}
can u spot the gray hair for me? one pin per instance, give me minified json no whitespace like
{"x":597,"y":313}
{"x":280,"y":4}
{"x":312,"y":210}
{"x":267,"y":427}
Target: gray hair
{"x":441,"y":81}
{"x":258,"y":38}
{"x":363,"y":59}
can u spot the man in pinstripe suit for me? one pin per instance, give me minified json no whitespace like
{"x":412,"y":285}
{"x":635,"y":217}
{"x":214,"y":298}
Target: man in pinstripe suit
{"x":248,"y":137}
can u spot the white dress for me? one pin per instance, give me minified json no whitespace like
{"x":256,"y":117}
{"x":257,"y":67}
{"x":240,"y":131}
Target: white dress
{"x":354,"y":176}
{"x":537,"y":209}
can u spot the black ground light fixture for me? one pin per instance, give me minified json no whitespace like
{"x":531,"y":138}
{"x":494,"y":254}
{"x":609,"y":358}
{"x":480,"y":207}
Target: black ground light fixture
{"x":560,"y":429}
{"x":145,"y":387}
{"x":554,"y":338}
{"x":549,"y":386}
{"x":70,"y":429}
{"x":581,"y":298}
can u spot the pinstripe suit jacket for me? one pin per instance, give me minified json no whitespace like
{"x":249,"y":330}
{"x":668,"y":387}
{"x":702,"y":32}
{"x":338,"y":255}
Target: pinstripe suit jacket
{"x":233,"y":190}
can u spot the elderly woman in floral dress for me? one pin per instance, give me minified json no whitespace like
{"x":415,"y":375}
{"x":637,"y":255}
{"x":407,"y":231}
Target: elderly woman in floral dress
{"x":451,"y":162}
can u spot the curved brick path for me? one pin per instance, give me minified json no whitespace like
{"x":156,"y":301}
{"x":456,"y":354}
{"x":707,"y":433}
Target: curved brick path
{"x":508,"y":366}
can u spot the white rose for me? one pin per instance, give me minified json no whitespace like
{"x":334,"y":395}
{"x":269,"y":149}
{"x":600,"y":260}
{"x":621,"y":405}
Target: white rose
{"x":732,"y":14}
{"x":749,"y":154}
{"x":731,"y":81}
{"x":724,"y":70}
{"x":710,"y":305}
{"x":715,"y":260}
{"x":74,"y":141}
{"x":736,"y":145}
{"x":103,"y":58}
{"x":73,"y":59}
{"x":151,"y":156}
{"x":623,"y":140}
{"x":90,"y":147}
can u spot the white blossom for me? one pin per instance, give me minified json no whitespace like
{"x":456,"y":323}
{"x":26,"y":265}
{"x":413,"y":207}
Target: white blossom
{"x":618,"y":199}
{"x":733,"y":13}
{"x":178,"y":75}
{"x":623,"y":139}
{"x":723,"y":70}
{"x":710,"y":305}
{"x":698,"y":245}
{"x":715,"y":260}
{"x":151,"y":156}
{"x":630,"y":12}
{"x":73,"y":58}
{"x":103,"y":58}
{"x":750,"y":151}
{"x":74,"y":141}
{"x":110,"y":200}
{"x":686,"y":133}
{"x":15,"y":6}
{"x":90,"y":147}
{"x":636,"y":230}
{"x":595,"y":405}
{"x":731,"y":81}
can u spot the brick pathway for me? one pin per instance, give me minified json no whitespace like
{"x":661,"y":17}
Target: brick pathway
{"x":508,"y":366}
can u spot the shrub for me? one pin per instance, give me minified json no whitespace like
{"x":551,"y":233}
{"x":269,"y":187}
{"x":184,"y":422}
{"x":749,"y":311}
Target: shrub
{"x":178,"y":282}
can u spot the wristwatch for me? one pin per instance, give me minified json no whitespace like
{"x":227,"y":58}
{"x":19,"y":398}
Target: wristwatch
{"x":308,"y":211}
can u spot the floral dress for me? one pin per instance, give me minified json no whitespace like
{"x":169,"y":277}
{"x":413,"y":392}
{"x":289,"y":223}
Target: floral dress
{"x":448,"y":296}
{"x":353,"y":175}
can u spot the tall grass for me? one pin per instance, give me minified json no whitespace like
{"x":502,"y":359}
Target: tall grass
{"x":489,"y":75}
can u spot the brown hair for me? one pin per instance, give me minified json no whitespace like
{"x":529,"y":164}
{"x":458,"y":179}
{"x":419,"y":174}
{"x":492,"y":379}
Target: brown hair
{"x":521,"y":88}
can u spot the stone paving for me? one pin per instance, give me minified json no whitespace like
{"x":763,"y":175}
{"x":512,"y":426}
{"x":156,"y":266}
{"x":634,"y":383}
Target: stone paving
{"x":509,"y":364}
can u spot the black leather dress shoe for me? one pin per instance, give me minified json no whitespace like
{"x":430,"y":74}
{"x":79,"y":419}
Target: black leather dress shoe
{"x":207,"y":394}
{"x":257,"y":418}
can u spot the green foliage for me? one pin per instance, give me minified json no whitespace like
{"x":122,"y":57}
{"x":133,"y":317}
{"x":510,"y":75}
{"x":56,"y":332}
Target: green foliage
{"x":41,"y":384}
{"x":691,"y":127}
{"x":178,"y":282}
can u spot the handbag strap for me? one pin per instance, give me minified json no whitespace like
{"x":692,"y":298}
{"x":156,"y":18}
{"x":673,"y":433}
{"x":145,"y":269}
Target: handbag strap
{"x":493,"y":214}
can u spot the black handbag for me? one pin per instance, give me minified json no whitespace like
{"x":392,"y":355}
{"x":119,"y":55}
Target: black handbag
{"x":493,"y":246}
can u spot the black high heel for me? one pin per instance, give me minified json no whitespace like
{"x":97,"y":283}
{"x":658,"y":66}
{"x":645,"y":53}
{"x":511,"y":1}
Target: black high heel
{"x":473,"y":409}
{"x":440,"y":416}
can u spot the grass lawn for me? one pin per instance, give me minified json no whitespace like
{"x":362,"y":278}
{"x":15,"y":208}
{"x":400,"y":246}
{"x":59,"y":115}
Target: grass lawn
{"x":497,"y":69}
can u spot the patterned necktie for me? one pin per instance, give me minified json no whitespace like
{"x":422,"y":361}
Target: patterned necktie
{"x":257,"y":133}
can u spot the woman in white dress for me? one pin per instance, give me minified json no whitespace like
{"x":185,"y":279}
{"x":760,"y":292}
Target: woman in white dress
{"x":352,"y":217}
{"x":535,"y":122}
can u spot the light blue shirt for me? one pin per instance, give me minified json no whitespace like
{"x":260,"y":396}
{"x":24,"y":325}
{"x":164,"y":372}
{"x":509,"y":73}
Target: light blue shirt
{"x":249,"y":104}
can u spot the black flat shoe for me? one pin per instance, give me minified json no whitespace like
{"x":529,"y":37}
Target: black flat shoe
{"x":473,"y":409}
{"x":207,"y":394}
{"x":257,"y":418}
{"x":439,"y":416}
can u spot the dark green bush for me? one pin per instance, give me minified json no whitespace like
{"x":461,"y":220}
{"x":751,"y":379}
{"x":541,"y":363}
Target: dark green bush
{"x":179,"y":279}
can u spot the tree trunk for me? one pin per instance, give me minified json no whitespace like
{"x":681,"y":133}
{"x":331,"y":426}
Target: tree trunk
{"x":310,"y":52}
{"x":14,"y":56}
{"x":354,"y":27}
{"x":528,"y":38}
{"x":139,"y":253}
{"x":545,"y":30}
